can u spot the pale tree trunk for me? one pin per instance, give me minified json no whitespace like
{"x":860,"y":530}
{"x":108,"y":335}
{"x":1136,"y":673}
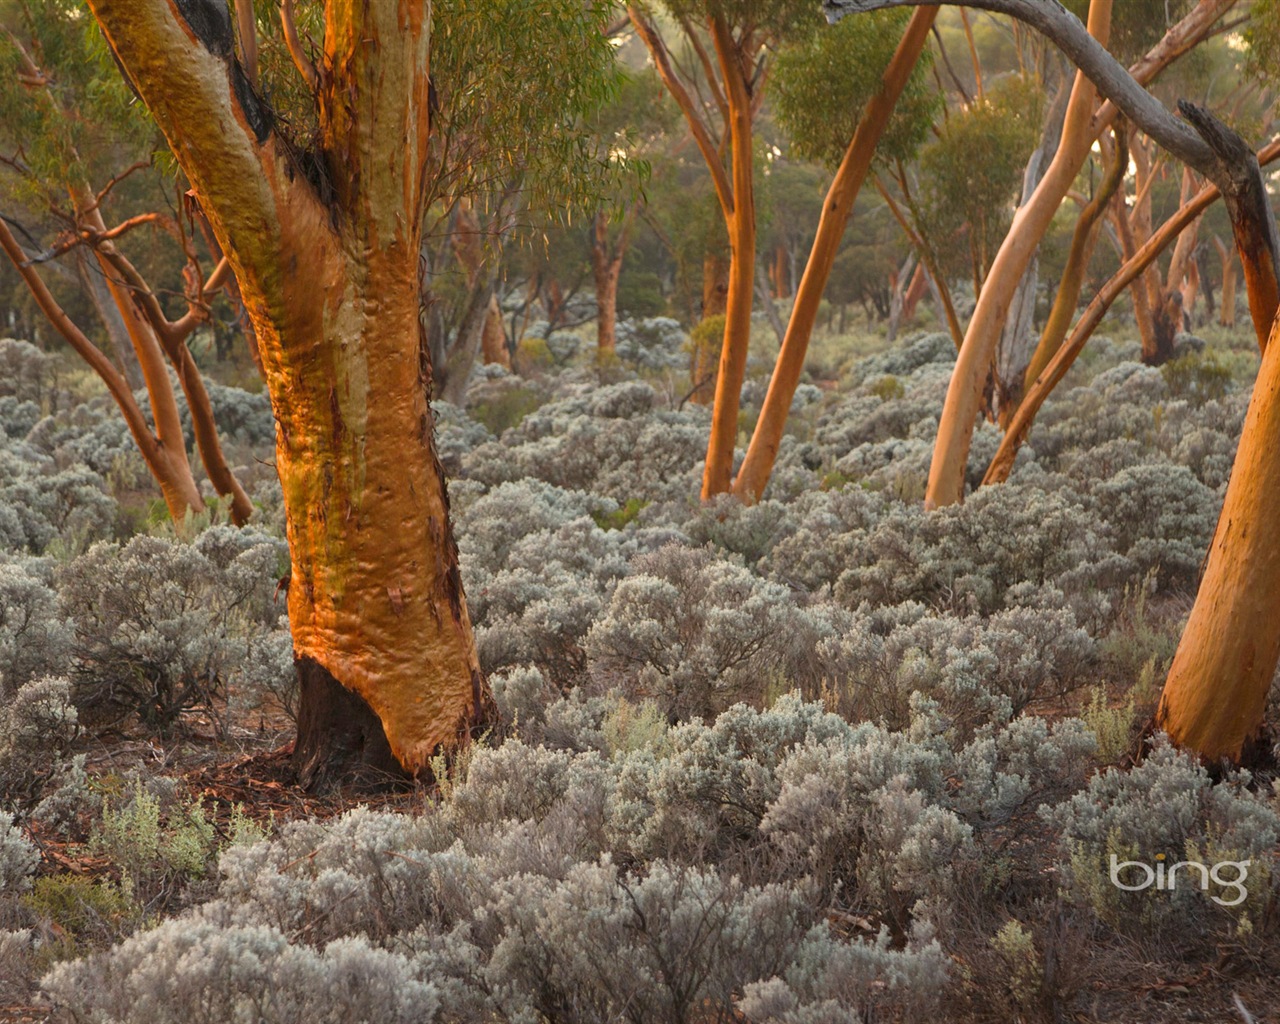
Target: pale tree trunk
{"x":112,"y":322}
{"x":914,"y":293}
{"x":1129,"y":272}
{"x":1017,"y":344}
{"x":493,"y":339}
{"x":1190,"y":292}
{"x":379,"y":621}
{"x":960,"y":411}
{"x":1197,"y":139}
{"x":765,"y":295}
{"x":1083,"y":238}
{"x":762,"y":451}
{"x":164,"y":453}
{"x":899,"y":282}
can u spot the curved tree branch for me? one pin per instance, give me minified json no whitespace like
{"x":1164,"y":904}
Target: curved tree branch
{"x":1200,"y":141}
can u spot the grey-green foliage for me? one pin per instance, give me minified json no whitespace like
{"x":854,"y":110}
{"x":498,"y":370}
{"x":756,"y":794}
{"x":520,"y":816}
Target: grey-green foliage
{"x":1168,"y":809}
{"x":161,"y":626}
{"x":18,"y":857}
{"x":40,"y":723}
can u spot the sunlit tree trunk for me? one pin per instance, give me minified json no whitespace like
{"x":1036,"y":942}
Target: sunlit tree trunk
{"x":380,"y":624}
{"x":1067,"y":298}
{"x":762,"y":451}
{"x":1216,"y":692}
{"x":964,"y":396}
{"x":718,"y":471}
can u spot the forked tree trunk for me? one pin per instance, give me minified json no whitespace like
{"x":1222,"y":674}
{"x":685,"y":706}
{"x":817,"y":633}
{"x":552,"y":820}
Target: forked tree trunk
{"x":717,"y":474}
{"x":331,"y":284}
{"x":964,"y":396}
{"x":1068,"y":297}
{"x":757,"y":465}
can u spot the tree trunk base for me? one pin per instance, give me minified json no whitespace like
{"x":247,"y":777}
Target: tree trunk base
{"x":1258,"y":755}
{"x":340,"y":740}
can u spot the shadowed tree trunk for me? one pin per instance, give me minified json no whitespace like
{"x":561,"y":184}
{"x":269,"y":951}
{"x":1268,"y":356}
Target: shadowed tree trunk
{"x":330,"y":281}
{"x":1227,"y":304}
{"x":606,"y":268}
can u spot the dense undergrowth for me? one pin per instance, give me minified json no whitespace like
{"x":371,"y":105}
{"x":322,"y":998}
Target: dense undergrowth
{"x":827,"y":758}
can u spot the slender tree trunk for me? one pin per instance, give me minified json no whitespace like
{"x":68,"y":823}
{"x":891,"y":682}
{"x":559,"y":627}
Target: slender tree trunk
{"x":765,"y":295}
{"x":718,"y":471}
{"x":1190,"y":291}
{"x":112,"y":322}
{"x":1129,"y":272}
{"x":702,"y":361}
{"x":1227,"y":306}
{"x":899,"y":282}
{"x":606,"y":268}
{"x":493,"y":339}
{"x":1068,"y":297}
{"x":960,"y":411}
{"x":757,"y":465}
{"x":914,"y":293}
{"x":331,"y":283}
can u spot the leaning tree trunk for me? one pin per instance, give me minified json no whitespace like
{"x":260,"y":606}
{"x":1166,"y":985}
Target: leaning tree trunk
{"x":964,"y":395}
{"x":717,"y":474}
{"x":837,"y":206}
{"x":1216,"y":690}
{"x":376,"y":608}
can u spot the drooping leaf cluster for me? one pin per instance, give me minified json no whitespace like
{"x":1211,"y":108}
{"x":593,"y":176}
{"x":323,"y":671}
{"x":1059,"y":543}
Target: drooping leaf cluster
{"x":973,"y":170}
{"x":66,"y":113}
{"x":822,"y":83}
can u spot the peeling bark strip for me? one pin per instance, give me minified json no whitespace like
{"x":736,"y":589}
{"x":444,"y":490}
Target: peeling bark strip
{"x":330,"y":283}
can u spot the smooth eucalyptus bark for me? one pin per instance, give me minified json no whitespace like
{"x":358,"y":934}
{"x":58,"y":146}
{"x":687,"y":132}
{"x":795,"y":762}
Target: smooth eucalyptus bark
{"x":1133,"y":267}
{"x":973,"y":365}
{"x":331,"y":284}
{"x":717,"y":474}
{"x":1216,"y":692}
{"x":762,"y":452}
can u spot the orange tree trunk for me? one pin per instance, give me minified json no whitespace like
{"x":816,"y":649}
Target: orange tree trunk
{"x":702,"y":359}
{"x":493,"y":342}
{"x":973,"y":366}
{"x":1227,"y":305}
{"x":380,"y":624}
{"x":836,"y":208}
{"x":1216,"y":691}
{"x":718,"y":472}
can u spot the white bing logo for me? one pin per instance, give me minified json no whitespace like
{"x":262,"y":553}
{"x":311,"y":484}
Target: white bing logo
{"x":1165,"y":877}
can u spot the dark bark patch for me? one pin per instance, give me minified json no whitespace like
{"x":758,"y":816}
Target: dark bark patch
{"x":210,"y":22}
{"x":257,"y":112}
{"x":341,"y":741}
